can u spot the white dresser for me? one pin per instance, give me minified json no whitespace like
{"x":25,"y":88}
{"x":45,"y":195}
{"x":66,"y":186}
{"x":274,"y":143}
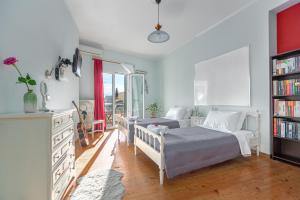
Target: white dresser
{"x":37,"y":155}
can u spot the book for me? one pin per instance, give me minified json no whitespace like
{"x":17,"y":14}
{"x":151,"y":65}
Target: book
{"x":297,"y":109}
{"x":282,"y":129}
{"x":286,"y":129}
{"x":275,"y":132}
{"x":298,"y":131}
{"x":285,"y":66}
{"x":289,"y":132}
{"x":286,"y":108}
{"x":286,"y":87}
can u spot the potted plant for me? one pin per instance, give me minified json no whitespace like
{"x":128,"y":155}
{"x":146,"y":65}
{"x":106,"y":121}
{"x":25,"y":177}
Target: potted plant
{"x":30,"y":98}
{"x":153,"y":109}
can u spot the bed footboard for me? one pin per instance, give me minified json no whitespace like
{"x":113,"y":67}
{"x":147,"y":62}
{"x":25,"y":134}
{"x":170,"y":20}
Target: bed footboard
{"x":152,"y":145}
{"x":122,"y":125}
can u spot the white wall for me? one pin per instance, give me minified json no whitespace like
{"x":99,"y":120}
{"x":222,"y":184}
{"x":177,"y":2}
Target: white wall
{"x":87,"y":80}
{"x":249,"y":27}
{"x":36,"y":32}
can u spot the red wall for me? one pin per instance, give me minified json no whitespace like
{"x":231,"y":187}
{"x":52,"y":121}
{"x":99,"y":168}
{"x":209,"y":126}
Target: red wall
{"x":288,"y":29}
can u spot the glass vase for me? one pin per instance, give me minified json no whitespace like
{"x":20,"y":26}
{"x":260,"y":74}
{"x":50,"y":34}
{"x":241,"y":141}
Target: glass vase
{"x":30,"y":102}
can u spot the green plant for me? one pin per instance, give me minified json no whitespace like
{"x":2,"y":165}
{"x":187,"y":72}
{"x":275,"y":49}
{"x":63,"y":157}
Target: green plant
{"x":196,"y":112}
{"x":153,"y":108}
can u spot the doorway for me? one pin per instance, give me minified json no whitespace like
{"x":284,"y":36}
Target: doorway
{"x":123,"y":96}
{"x":114,"y":97}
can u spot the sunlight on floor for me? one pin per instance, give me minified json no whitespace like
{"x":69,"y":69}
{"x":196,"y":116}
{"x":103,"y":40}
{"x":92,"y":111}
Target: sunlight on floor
{"x":106,"y":157}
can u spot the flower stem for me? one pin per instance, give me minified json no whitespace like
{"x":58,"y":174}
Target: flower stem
{"x":15,"y":66}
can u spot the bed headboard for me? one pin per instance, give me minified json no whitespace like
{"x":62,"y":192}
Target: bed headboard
{"x":253,"y":117}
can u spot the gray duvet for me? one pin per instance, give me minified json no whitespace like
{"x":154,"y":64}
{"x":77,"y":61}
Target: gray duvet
{"x":147,"y":121}
{"x":188,"y":149}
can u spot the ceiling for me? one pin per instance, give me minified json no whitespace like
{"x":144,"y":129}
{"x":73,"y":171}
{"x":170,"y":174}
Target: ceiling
{"x":123,"y":25}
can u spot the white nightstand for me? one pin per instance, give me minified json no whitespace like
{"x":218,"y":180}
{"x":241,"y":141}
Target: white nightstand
{"x":196,"y":121}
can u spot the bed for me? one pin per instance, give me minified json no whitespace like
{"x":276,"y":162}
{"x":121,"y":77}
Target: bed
{"x":176,"y":117}
{"x":182,"y":150}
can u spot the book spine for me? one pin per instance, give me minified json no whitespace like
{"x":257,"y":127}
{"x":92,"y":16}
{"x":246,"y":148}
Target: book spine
{"x":275,"y":133}
{"x":274,"y":65}
{"x":283,"y":128}
{"x":298,"y":131}
{"x":290,"y":130}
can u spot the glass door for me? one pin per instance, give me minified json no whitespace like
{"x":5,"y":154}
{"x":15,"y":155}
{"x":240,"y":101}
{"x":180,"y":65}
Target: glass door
{"x":114,"y":97}
{"x":119,"y":95}
{"x":108,"y":99}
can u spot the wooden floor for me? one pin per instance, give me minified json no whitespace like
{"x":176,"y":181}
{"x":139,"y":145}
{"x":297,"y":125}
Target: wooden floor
{"x":244,"y":178}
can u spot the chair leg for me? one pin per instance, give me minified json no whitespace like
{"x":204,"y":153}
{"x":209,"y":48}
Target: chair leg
{"x":135,"y":150}
{"x":257,"y":150}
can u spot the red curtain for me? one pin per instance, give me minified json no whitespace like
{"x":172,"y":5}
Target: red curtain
{"x":99,"y":112}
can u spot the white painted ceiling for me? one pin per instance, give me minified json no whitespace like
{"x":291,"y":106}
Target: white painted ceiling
{"x":123,"y":25}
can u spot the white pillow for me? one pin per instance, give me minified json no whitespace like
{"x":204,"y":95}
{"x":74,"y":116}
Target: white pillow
{"x":176,"y":113}
{"x":222,"y":121}
{"x":240,"y":123}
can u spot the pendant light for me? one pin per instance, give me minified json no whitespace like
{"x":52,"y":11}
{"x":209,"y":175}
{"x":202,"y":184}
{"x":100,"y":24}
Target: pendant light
{"x":158,"y":36}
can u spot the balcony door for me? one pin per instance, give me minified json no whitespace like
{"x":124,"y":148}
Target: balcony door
{"x":114,"y":97}
{"x":123,"y":96}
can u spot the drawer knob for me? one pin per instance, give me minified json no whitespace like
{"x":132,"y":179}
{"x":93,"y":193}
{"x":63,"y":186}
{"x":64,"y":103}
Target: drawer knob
{"x":57,"y":173}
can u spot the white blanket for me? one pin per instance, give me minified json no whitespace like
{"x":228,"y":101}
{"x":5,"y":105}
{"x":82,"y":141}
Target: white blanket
{"x":243,"y":137}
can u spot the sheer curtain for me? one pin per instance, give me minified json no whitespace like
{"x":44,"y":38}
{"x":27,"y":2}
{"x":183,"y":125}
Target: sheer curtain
{"x":134,"y":91}
{"x":137,"y":95}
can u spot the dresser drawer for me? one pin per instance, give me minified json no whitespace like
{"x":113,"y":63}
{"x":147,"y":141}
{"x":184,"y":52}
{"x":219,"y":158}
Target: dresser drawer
{"x":59,"y":137}
{"x":61,"y":121}
{"x":60,"y":188}
{"x":62,"y":150}
{"x":60,"y":171}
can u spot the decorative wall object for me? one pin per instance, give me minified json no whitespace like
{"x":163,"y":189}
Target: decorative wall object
{"x":45,"y":96}
{"x":58,"y":69}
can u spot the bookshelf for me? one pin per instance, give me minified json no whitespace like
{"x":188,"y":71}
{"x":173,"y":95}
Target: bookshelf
{"x":285,"y":107}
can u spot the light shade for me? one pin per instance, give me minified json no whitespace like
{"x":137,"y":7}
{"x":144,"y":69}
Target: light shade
{"x":158,"y":36}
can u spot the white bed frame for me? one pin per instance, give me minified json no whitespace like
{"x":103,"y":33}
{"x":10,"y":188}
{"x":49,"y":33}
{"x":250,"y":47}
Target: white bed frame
{"x":121,"y":123}
{"x":141,"y":134}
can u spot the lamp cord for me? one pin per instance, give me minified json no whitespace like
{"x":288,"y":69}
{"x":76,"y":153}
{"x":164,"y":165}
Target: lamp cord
{"x":158,"y":13}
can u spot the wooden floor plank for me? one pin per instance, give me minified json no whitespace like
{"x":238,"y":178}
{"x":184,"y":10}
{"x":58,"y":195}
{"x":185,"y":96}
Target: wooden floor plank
{"x":242,"y":178}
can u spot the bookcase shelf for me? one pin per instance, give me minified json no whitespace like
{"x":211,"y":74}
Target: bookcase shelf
{"x":286,"y":158}
{"x":285,"y":149}
{"x":288,"y":139}
{"x":287,"y":75}
{"x":295,"y":119}
{"x":287,"y":97}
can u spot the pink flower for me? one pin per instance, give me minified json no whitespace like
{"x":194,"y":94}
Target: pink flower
{"x":10,"y":61}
